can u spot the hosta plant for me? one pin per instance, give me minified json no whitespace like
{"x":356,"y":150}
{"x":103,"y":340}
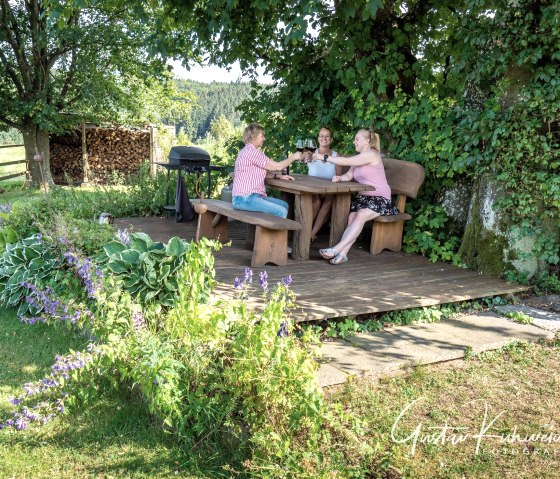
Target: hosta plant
{"x":144,"y":268}
{"x":28,"y":261}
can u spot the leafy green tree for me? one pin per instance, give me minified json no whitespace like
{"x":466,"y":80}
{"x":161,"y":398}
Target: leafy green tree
{"x":221,"y":129}
{"x":468,"y":88}
{"x":62,"y":62}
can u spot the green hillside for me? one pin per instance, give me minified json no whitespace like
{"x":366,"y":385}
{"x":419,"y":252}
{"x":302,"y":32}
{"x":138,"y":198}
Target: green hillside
{"x":213,"y":100}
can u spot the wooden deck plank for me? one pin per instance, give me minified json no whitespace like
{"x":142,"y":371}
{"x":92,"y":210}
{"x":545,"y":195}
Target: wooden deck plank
{"x":366,"y":284}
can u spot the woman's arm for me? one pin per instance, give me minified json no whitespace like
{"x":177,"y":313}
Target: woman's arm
{"x":348,"y":176}
{"x":366,"y":158}
{"x":280,"y":165}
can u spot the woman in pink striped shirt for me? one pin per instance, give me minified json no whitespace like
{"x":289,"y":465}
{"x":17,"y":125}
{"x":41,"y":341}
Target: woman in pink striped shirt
{"x":252,"y":166}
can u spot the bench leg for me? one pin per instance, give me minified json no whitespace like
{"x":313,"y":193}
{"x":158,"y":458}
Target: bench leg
{"x":386,"y":236}
{"x":271,"y":246}
{"x":208,"y":228}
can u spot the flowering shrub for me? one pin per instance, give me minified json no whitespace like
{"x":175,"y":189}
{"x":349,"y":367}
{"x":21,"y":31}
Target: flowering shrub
{"x":216,"y":373}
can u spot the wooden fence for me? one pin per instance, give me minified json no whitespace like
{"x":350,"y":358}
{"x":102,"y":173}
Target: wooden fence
{"x":8,"y":163}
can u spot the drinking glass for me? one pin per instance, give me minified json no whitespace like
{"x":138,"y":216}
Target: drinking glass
{"x":300,"y":146}
{"x":310,"y":145}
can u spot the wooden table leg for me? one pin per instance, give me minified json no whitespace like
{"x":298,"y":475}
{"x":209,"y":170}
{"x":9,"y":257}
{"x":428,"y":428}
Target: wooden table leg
{"x":303,"y":213}
{"x":339,"y":216}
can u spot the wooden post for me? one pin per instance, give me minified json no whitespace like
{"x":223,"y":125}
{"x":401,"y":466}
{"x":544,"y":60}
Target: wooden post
{"x":152,"y":150}
{"x":85,"y":165}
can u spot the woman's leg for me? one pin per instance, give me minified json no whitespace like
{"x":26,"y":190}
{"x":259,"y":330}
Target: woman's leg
{"x":322,"y":215}
{"x":256,"y":202}
{"x":315,"y":204}
{"x":356,"y":222}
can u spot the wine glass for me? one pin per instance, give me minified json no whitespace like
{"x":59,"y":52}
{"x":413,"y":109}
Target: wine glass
{"x":310,"y":145}
{"x":300,"y":146}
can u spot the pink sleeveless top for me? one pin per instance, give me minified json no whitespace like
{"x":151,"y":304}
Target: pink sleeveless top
{"x":373,"y":175}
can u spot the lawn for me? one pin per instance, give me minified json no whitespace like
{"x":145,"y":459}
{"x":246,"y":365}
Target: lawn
{"x":11,"y":154}
{"x":115,"y":438}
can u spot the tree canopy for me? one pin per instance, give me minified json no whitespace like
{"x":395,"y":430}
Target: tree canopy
{"x":62,"y":62}
{"x":466,"y":87}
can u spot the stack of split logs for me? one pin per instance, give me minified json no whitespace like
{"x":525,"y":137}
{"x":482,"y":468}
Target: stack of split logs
{"x":66,"y":158}
{"x":107,"y":151}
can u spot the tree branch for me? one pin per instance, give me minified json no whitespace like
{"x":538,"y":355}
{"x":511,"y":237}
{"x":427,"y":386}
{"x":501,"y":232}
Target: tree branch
{"x":10,"y":123}
{"x":11,"y":73}
{"x":13,"y":37}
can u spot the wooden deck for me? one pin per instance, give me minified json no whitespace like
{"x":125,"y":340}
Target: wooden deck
{"x":366,"y":284}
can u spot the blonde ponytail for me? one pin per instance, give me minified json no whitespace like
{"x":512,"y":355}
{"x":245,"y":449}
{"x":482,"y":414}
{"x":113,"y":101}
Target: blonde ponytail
{"x":375,"y":141}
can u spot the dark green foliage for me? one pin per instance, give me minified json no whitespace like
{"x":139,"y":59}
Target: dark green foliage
{"x":30,"y":260}
{"x":212,"y":100}
{"x":464,"y":88}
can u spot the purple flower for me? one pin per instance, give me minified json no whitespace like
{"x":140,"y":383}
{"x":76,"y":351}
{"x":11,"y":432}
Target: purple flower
{"x":288,"y":280}
{"x":123,"y":236}
{"x":248,"y":276}
{"x":14,"y":401}
{"x":5,"y":208}
{"x":20,"y":424}
{"x":237,"y":283}
{"x":283,"y":331}
{"x":138,"y":321}
{"x":263,"y":280}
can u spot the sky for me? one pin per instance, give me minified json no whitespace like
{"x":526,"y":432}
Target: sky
{"x":210,"y":73}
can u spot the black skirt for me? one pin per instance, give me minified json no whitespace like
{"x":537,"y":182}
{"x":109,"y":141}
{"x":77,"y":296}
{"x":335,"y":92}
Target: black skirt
{"x":379,"y":204}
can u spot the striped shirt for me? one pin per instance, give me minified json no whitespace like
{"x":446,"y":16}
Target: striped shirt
{"x":249,"y":172}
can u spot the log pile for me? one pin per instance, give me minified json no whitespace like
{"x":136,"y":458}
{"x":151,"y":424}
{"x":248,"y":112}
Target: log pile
{"x":66,"y":158}
{"x":109,"y":151}
{"x":116,"y":150}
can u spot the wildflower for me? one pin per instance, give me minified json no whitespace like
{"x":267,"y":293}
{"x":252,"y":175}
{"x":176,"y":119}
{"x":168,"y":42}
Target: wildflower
{"x":237,"y":283}
{"x":287,"y":280}
{"x":283,"y":331}
{"x":138,"y":321}
{"x":123,"y":236}
{"x":263,"y":280}
{"x":5,"y":208}
{"x":248,"y":275}
{"x":20,"y":424}
{"x":14,"y":401}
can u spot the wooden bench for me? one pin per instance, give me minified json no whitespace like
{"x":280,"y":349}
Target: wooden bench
{"x":268,"y":233}
{"x":405,"y":179}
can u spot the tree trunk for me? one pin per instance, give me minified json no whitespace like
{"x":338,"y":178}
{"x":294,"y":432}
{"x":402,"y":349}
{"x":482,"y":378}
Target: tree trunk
{"x":36,"y":140}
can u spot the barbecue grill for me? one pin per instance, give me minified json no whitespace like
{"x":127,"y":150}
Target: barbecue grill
{"x":190,"y":158}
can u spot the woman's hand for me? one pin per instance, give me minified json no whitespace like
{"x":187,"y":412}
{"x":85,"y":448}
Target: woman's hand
{"x":297,"y":156}
{"x":336,"y":179}
{"x":284,"y":177}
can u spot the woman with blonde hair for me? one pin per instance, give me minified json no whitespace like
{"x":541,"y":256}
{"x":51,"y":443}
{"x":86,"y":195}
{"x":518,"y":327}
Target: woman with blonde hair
{"x":367,"y":168}
{"x":251,"y":168}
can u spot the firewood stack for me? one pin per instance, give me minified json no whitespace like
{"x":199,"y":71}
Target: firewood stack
{"x":66,"y":158}
{"x":119,"y":149}
{"x":109,"y":150}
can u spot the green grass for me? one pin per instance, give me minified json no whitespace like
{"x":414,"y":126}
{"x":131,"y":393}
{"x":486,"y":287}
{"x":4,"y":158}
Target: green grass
{"x":11,"y":154}
{"x":523,"y":380}
{"x":115,"y":437}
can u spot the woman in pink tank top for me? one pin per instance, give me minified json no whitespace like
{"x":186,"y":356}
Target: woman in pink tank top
{"x":367,"y":168}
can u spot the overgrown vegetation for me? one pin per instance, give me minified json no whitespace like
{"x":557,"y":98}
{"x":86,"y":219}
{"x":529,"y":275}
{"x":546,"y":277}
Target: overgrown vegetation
{"x":467,"y":89}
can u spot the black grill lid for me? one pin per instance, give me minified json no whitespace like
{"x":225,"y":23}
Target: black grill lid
{"x":180,"y":154}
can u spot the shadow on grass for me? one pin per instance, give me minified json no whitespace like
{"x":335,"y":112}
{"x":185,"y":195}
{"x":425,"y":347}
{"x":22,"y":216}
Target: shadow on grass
{"x":114,"y":435}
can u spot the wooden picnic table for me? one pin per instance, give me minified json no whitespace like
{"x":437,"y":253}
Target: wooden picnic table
{"x":298,"y":194}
